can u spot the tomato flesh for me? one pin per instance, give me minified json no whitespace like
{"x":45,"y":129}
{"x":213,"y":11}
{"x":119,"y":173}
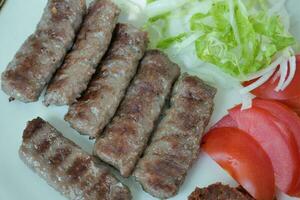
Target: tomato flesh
{"x":267,"y":90}
{"x":293,"y":103}
{"x":286,"y":115}
{"x":245,"y":160}
{"x":277,"y":140}
{"x":282,"y":112}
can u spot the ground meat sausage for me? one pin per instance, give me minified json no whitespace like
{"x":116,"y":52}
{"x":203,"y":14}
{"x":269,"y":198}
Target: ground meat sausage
{"x":66,"y":167}
{"x":175,"y":143}
{"x":126,"y":137}
{"x":92,"y":112}
{"x":80,"y":64}
{"x":219,"y":191}
{"x":43,"y":52}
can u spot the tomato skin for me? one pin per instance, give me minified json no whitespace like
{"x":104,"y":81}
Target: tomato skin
{"x":234,"y":150}
{"x":287,"y":116}
{"x":277,"y":140}
{"x":293,"y":103}
{"x":267,"y":90}
{"x":282,"y":112}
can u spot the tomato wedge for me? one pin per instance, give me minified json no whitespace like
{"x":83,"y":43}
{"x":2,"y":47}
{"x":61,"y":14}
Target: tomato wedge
{"x":278,"y":142}
{"x":282,"y":112}
{"x":267,"y":90}
{"x":286,"y":115}
{"x":293,"y":103}
{"x":245,"y":160}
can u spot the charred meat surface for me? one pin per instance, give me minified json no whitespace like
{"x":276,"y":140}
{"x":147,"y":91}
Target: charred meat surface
{"x":126,"y":137}
{"x":66,"y":167}
{"x":175,"y":143}
{"x":93,"y":111}
{"x":220,"y":192}
{"x":43,"y":52}
{"x":80,"y":64}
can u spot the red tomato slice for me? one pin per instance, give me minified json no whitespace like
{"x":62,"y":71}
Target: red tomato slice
{"x":282,"y":112}
{"x":243,"y":158}
{"x":277,"y":140}
{"x":267,"y":90}
{"x":293,"y":103}
{"x":287,"y":116}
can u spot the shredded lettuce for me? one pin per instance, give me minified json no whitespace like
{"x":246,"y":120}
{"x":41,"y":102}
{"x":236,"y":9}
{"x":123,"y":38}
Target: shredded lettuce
{"x":150,"y":1}
{"x":241,"y":37}
{"x":166,"y":43}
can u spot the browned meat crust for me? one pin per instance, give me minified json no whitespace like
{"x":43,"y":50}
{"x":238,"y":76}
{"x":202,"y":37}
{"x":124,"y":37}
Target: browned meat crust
{"x":175,"y":144}
{"x":92,"y":112}
{"x":219,"y":191}
{"x":42,"y":53}
{"x":126,"y":137}
{"x":66,"y":167}
{"x":90,"y":46}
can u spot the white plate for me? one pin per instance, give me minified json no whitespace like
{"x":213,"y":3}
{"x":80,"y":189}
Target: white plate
{"x":17,"y":21}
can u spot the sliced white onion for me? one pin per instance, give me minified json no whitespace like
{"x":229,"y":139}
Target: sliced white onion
{"x":275,"y":77}
{"x":285,"y":18}
{"x":178,"y":47}
{"x":132,"y":12}
{"x":129,"y":3}
{"x":276,"y":7}
{"x":292,"y":72}
{"x":271,"y":67}
{"x":247,"y":101}
{"x":220,"y":79}
{"x":258,"y":82}
{"x":283,"y":70}
{"x":243,"y":8}
{"x":233,"y":21}
{"x":163,"y":6}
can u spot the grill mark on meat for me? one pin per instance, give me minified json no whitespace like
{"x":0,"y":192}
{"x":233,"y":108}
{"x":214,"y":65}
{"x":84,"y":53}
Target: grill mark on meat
{"x":219,"y":191}
{"x":175,"y":143}
{"x":79,"y":167}
{"x":148,"y":88}
{"x":126,"y":129}
{"x":59,"y":156}
{"x":59,"y":11}
{"x":200,"y":95}
{"x":32,"y":127}
{"x":126,"y":136}
{"x":23,"y":76}
{"x":159,"y":183}
{"x":93,"y":94}
{"x":134,"y":108}
{"x":188,"y":121}
{"x":164,"y":168}
{"x":43,"y":146}
{"x":100,"y":186}
{"x":91,"y":44}
{"x":66,"y":167}
{"x":42,"y":53}
{"x":94,"y":110}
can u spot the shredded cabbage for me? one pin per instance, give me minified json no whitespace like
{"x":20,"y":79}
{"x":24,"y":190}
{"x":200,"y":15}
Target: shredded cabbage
{"x":132,"y":12}
{"x":239,"y":40}
{"x":246,"y":39}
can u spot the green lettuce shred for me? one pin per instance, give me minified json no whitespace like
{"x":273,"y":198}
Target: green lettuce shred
{"x":166,"y":43}
{"x":150,"y":1}
{"x":238,"y":36}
